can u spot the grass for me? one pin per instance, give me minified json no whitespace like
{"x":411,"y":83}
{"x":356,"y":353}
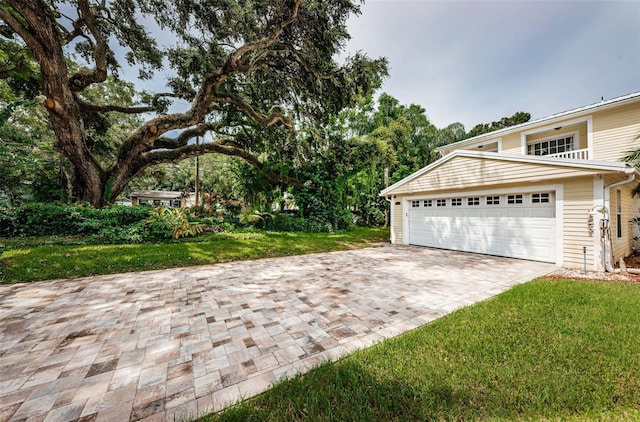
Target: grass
{"x":25,"y":260}
{"x":545,"y":350}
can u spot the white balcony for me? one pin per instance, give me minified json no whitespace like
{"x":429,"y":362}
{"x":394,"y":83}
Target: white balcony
{"x":577,"y":154}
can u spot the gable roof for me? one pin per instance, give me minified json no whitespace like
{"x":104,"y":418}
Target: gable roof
{"x":602,"y":105}
{"x":587,"y":165}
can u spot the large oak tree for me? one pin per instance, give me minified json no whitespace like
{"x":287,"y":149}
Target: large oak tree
{"x":240,"y":66}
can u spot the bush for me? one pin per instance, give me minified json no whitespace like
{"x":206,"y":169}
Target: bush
{"x":37,"y":219}
{"x":285,"y":223}
{"x":175,"y":222}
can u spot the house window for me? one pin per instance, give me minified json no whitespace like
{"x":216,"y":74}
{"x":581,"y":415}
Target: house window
{"x":428,"y":203}
{"x":551,"y":146}
{"x":456,"y":202}
{"x":441,"y":203}
{"x":415,"y":204}
{"x":493,"y":200}
{"x":540,"y":198}
{"x":473,"y":201}
{"x":618,"y":214}
{"x":514,"y":199}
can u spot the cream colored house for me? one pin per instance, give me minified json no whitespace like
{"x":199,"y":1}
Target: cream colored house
{"x":551,"y":190}
{"x":171,"y":199}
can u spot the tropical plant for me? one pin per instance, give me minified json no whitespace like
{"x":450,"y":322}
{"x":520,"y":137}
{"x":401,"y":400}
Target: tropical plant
{"x":176,"y":221}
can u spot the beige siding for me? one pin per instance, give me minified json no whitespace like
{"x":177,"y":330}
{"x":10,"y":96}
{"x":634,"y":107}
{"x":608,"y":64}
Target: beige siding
{"x":615,"y":132}
{"x":511,"y":144}
{"x":577,"y":202}
{"x":621,"y":246}
{"x":467,"y":172}
{"x":396,"y":225}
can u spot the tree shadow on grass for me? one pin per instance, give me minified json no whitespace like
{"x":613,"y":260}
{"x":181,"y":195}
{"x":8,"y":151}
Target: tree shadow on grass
{"x":347,"y":391}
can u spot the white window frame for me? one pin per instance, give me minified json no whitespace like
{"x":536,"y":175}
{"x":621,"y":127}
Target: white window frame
{"x":543,"y":198}
{"x":575,"y":141}
{"x":586,"y":119}
{"x":515,"y":199}
{"x":619,"y":214}
{"x":493,"y":199}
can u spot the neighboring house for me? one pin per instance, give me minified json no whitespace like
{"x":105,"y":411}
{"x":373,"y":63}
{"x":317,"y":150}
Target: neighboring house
{"x":166,"y":198}
{"x":549,"y":190}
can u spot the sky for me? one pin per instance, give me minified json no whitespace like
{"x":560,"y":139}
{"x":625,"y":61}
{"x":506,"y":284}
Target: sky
{"x":478,"y":61}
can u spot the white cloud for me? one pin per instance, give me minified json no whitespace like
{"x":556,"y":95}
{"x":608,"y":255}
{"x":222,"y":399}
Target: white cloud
{"x":479,"y":61}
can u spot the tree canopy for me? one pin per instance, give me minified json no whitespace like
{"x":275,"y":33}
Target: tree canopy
{"x":482,"y":128}
{"x":250,"y":71}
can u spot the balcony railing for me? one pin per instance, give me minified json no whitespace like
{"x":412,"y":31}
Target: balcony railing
{"x":578,"y":154}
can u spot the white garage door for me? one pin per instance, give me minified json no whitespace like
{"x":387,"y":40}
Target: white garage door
{"x":519,"y":225}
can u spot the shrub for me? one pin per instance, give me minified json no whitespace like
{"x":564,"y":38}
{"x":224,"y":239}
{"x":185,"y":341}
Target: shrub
{"x":285,"y":223}
{"x":175,"y":222}
{"x":37,"y":219}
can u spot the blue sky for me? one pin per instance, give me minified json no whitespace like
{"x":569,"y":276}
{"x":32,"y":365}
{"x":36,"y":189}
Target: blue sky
{"x":478,"y":61}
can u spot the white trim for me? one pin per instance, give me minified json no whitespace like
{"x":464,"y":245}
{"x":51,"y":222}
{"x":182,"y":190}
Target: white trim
{"x":392,"y":205}
{"x":558,"y":190}
{"x":598,"y":203}
{"x":575,"y":141}
{"x":559,"y":225}
{"x":590,"y":137}
{"x":405,"y":221}
{"x":607,"y":206}
{"x":603,"y":166}
{"x":475,"y":145}
{"x":618,"y":211}
{"x":602,"y":105}
{"x":585,"y":119}
{"x":484,"y":192}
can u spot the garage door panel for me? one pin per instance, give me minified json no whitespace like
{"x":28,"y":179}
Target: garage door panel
{"x":518,"y":231}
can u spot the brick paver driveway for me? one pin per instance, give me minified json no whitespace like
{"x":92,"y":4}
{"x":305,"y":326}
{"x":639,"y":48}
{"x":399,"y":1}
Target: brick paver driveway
{"x":176,"y":343}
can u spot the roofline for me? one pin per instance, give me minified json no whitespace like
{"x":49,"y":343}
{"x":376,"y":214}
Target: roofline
{"x":605,"y":166}
{"x":166,"y":194}
{"x":602,"y":105}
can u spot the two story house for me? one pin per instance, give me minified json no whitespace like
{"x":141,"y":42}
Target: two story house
{"x":551,"y":190}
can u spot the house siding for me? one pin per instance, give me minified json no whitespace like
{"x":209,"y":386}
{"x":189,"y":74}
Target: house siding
{"x":511,"y":144}
{"x":397,"y":223}
{"x":467,"y":172}
{"x":577,"y":202}
{"x":621,"y":246}
{"x":615,"y":132}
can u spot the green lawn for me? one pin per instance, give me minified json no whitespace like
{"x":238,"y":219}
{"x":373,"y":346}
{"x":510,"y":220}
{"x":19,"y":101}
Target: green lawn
{"x":545,"y":350}
{"x":34,"y":259}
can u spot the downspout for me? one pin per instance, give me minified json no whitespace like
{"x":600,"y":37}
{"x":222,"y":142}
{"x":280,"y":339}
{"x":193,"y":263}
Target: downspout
{"x":607,"y":250}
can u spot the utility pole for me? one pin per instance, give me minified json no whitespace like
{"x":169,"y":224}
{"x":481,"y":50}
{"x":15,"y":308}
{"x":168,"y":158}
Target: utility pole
{"x":197,"y":172}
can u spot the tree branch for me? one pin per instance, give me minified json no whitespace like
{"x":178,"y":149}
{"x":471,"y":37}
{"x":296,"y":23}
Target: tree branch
{"x":181,"y":140}
{"x":224,"y":147}
{"x":84,"y":106}
{"x":83,"y":78}
{"x":263,"y":120}
{"x":304,"y":62}
{"x":34,"y":44}
{"x":236,"y":56}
